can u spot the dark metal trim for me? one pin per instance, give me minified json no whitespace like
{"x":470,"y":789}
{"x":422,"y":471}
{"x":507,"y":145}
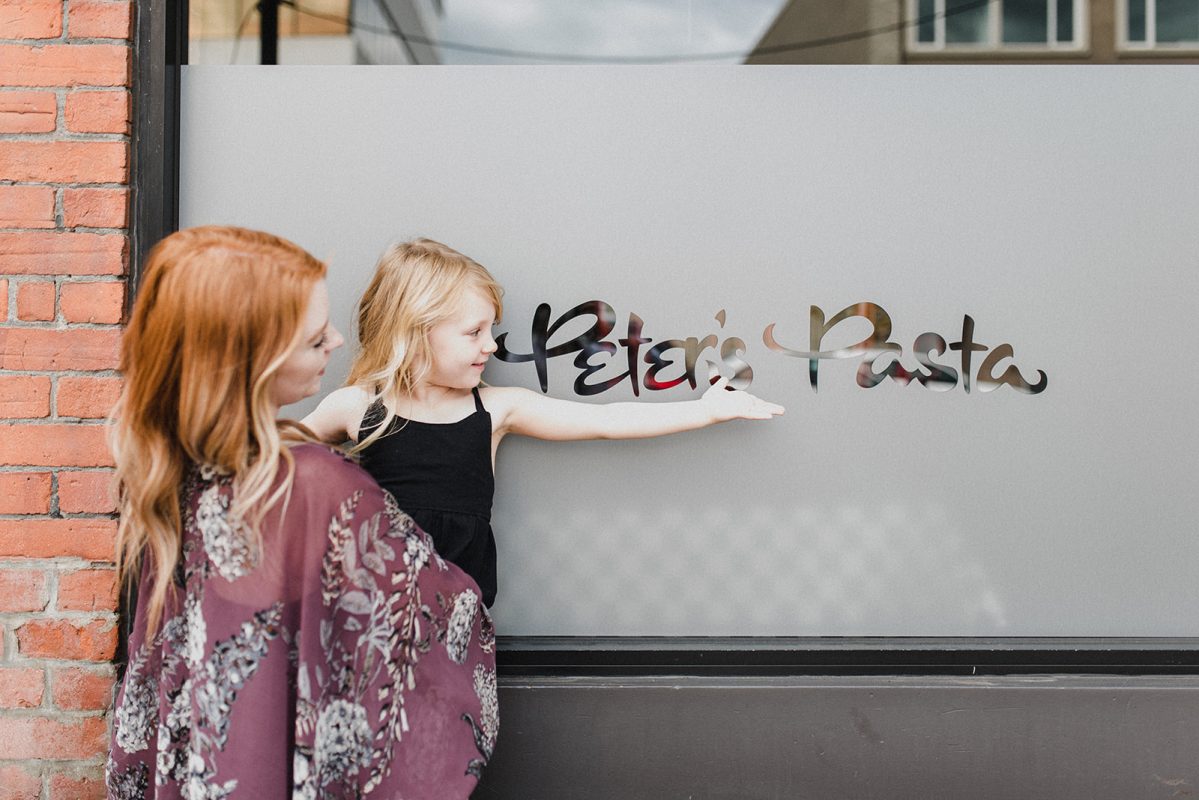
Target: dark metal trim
{"x":750,"y":656}
{"x":160,"y":49}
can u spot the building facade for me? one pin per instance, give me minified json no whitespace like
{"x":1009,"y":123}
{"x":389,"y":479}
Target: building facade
{"x":986,"y":32}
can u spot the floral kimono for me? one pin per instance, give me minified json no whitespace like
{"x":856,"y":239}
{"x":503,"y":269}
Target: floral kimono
{"x":347,"y":659}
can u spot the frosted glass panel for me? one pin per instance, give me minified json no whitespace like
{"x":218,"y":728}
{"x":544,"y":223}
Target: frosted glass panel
{"x":909,"y":230}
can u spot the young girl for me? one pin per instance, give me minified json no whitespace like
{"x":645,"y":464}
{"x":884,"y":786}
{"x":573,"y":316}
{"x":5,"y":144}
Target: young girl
{"x":428,"y":430}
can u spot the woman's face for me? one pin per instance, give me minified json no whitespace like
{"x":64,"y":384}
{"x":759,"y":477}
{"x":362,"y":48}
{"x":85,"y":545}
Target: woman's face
{"x":300,"y":374}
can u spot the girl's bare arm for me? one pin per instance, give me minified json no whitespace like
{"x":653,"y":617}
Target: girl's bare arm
{"x":531,"y":414}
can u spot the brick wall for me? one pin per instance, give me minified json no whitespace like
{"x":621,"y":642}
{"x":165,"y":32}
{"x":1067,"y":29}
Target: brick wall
{"x":64,"y":168}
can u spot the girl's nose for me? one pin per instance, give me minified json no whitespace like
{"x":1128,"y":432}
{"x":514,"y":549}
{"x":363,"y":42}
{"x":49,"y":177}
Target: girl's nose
{"x":489,"y":345}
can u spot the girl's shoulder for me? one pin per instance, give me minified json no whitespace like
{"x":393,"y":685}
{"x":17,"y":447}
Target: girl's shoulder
{"x":499,"y":398}
{"x":502,"y":401}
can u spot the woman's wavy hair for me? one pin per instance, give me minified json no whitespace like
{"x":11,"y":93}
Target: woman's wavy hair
{"x":416,"y":285}
{"x":218,"y":311}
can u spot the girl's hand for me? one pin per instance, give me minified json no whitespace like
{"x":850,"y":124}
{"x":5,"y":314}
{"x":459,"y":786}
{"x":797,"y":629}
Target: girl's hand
{"x":725,"y":403}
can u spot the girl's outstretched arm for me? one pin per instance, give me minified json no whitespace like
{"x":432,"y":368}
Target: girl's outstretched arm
{"x":531,"y":414}
{"x":339,"y":415}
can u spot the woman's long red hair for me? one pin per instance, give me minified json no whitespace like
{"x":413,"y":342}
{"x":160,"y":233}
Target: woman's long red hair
{"x":217,"y":312}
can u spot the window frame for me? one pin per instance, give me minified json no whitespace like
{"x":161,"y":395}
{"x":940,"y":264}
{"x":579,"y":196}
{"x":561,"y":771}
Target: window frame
{"x":161,"y":51}
{"x":994,"y":43}
{"x":1150,"y":46}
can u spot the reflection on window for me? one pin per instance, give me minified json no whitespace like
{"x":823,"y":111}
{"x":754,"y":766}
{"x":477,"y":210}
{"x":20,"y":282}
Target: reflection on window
{"x":1166,"y":24}
{"x":995,"y":24}
{"x":477,"y":31}
{"x":316,"y":31}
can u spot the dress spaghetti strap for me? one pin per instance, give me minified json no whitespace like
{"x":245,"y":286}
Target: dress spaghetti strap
{"x":478,"y":399}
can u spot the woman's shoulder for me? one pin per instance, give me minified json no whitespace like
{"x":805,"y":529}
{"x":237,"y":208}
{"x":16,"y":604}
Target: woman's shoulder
{"x":324,"y":468}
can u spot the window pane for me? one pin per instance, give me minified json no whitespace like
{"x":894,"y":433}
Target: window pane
{"x":1025,"y":21}
{"x":1065,"y":20}
{"x":1136,"y":20}
{"x":1178,"y":20}
{"x":927,"y":31}
{"x":966,"y":21}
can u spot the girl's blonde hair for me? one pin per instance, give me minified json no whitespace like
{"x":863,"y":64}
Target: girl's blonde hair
{"x":416,"y":285}
{"x":218,"y":311}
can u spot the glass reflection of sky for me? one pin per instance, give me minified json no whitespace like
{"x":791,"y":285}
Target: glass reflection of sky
{"x":611,"y":28}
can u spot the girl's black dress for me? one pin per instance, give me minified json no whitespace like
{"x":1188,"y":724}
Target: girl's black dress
{"x":440,"y":474}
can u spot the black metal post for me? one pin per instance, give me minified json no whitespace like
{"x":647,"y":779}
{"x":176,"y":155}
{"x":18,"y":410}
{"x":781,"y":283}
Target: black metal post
{"x":268,"y":31}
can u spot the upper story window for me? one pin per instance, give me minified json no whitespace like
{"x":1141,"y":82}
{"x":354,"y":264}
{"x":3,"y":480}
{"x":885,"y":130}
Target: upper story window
{"x":995,"y":24}
{"x":1160,"y":24}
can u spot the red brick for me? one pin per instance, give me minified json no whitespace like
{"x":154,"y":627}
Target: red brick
{"x":64,"y":162}
{"x":64,"y":65}
{"x":35,"y":301}
{"x":92,"y":19}
{"x":17,"y":783}
{"x":21,"y":687}
{"x":87,"y":590}
{"x":77,"y":689}
{"x":26,"y":206}
{"x":62,"y":253}
{"x":92,"y":301}
{"x":24,"y":492}
{"x":88,"y":398}
{"x":42,"y":737}
{"x":98,"y":112}
{"x":67,"y":445}
{"x":31,"y":19}
{"x":87,"y":349}
{"x":22,"y":590}
{"x":60,"y":638}
{"x":76,"y":787}
{"x":91,"y":539}
{"x":95,"y":208}
{"x":24,"y":397}
{"x":85,"y":492}
{"x":28,"y":112}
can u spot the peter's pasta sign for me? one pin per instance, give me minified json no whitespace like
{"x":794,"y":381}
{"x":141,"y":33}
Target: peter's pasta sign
{"x":667,"y":363}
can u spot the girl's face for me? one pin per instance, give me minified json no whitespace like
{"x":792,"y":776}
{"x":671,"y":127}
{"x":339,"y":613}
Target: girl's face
{"x":460,"y":345}
{"x":300,"y":374}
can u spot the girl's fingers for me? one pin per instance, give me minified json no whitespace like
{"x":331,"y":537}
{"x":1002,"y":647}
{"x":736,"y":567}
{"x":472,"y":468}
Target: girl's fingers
{"x":752,"y":406}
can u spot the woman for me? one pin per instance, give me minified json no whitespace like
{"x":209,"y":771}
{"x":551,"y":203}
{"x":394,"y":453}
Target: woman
{"x":296,"y":634}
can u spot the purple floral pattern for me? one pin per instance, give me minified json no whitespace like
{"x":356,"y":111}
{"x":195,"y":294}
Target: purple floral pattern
{"x":343,"y":660}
